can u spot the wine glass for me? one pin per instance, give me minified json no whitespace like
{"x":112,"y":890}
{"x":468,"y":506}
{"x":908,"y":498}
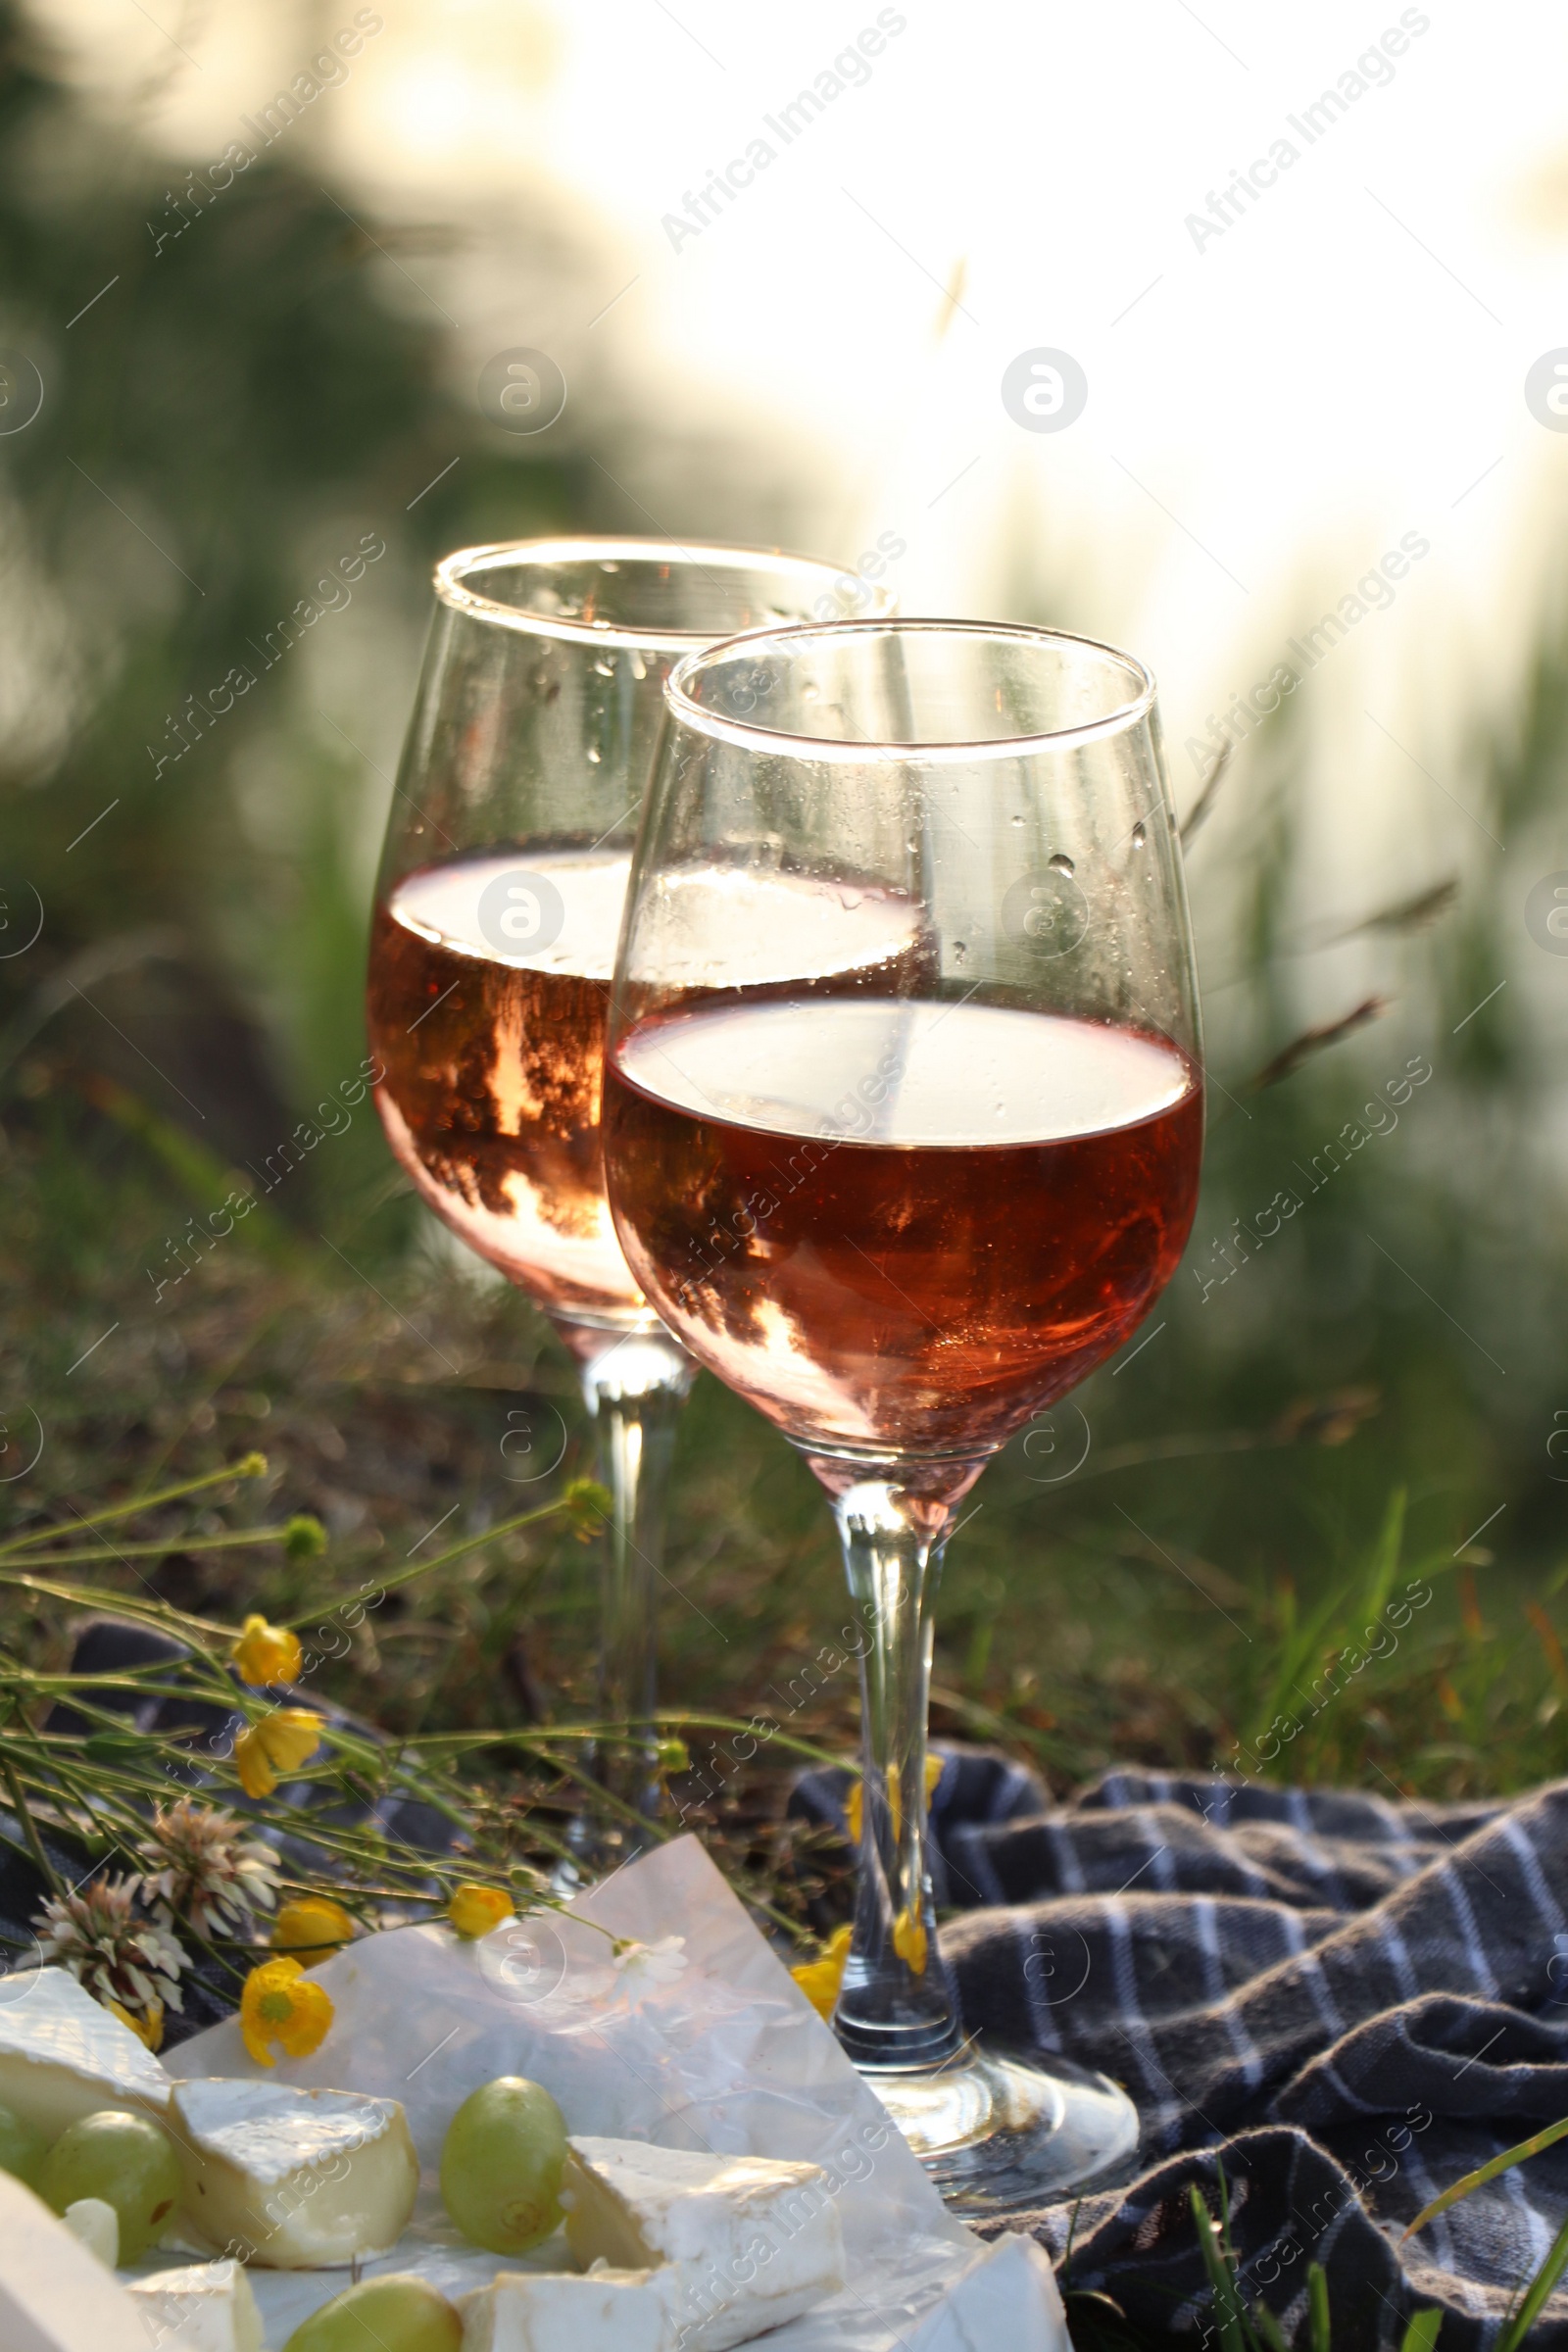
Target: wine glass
{"x":493,"y":940}
{"x":903,"y":1124}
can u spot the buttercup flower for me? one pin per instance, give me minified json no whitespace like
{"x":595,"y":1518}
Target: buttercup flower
{"x":819,"y":1978}
{"x":643,"y":1967}
{"x":476,"y":1910}
{"x":589,"y":1504}
{"x":312,"y":1926}
{"x":282,"y":2004}
{"x":281,"y":1741}
{"x":148,"y":2029}
{"x":909,"y":1940}
{"x":211,"y":1875}
{"x":267,"y":1653}
{"x":854,"y":1805}
{"x":122,"y":1958}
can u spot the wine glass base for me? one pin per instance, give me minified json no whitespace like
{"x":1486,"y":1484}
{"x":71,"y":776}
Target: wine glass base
{"x":998,"y":2132}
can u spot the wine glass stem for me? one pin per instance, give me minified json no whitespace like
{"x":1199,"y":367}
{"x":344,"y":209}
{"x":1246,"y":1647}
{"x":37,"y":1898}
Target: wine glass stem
{"x":894,"y":2009}
{"x":634,"y":1386}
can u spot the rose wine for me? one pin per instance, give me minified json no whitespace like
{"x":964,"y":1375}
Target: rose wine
{"x":900,"y":1224}
{"x":493,"y":1052}
{"x":489,"y":1014}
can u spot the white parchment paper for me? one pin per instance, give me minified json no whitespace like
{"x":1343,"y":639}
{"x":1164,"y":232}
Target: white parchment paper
{"x":727,"y":2055}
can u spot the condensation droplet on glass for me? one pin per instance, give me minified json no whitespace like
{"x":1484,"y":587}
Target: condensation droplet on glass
{"x":809,"y":693}
{"x":604,"y":668}
{"x":959,"y":950}
{"x":609,"y":567}
{"x":1017,"y":820}
{"x":639,"y":668}
{"x":592,"y":755}
{"x":1140,"y":836}
{"x":1061,"y":862}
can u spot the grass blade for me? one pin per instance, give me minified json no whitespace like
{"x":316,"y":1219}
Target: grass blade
{"x":1317,"y":2307}
{"x":1422,"y":2334}
{"x":1485,"y":2173}
{"x":1268,"y":2328}
{"x":1227,"y":2306}
{"x":1385,"y":1558}
{"x":1541,"y":2287}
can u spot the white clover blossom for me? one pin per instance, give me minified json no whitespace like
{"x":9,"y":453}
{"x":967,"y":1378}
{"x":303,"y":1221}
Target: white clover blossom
{"x":115,"y":1952}
{"x":213,"y":1876}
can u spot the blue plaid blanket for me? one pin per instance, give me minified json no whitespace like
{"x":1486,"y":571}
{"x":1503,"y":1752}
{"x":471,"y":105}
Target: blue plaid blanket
{"x":1346,"y":2000}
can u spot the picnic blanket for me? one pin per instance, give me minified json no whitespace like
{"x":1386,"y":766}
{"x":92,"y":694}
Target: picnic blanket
{"x":1347,"y":2000}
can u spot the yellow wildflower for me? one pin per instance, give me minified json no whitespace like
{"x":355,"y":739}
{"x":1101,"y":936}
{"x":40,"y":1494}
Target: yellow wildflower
{"x":267,"y":1653}
{"x":148,"y":2029}
{"x":476,"y":1910}
{"x":281,"y":1741}
{"x":312,"y":1924}
{"x":909,"y":1940}
{"x":819,"y":1980}
{"x":281,"y":2004}
{"x":854,"y":1808}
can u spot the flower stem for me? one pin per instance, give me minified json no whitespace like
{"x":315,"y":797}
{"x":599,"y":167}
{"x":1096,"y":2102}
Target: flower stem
{"x":30,"y":1828}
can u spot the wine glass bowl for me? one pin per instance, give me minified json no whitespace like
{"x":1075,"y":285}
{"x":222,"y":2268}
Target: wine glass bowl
{"x":924,"y":1153}
{"x":904,"y":1154}
{"x":504,"y":876}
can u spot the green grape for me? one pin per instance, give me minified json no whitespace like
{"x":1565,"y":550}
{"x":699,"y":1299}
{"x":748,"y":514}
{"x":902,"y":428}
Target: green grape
{"x":503,"y":2162}
{"x":401,"y":2313}
{"x":22,"y":2146}
{"x":128,"y":2162}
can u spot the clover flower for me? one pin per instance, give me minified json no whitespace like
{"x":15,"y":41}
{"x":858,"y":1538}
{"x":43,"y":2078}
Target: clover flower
{"x":211,"y":1875}
{"x":282,"y":2004}
{"x":128,"y":1961}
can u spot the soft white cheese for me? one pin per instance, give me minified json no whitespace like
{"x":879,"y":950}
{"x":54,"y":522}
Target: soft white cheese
{"x":293,"y":2179}
{"x":558,"y":2311}
{"x":94,"y":2223}
{"x":63,"y":2056}
{"x":753,"y":2243}
{"x":53,"y":2297}
{"x":207,"y":2307}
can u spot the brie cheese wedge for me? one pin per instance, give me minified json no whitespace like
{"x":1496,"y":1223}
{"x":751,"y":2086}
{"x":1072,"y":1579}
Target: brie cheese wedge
{"x":558,"y":2311}
{"x":207,"y":2307}
{"x":752,"y":2242}
{"x":292,"y":2179}
{"x":63,"y":2056}
{"x":53,"y":2297}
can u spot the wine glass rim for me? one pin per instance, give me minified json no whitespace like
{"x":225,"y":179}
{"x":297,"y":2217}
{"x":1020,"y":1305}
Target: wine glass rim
{"x":453,"y":574}
{"x":689,"y":711}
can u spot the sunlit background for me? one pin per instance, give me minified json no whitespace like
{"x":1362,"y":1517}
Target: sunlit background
{"x":1326,"y":390}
